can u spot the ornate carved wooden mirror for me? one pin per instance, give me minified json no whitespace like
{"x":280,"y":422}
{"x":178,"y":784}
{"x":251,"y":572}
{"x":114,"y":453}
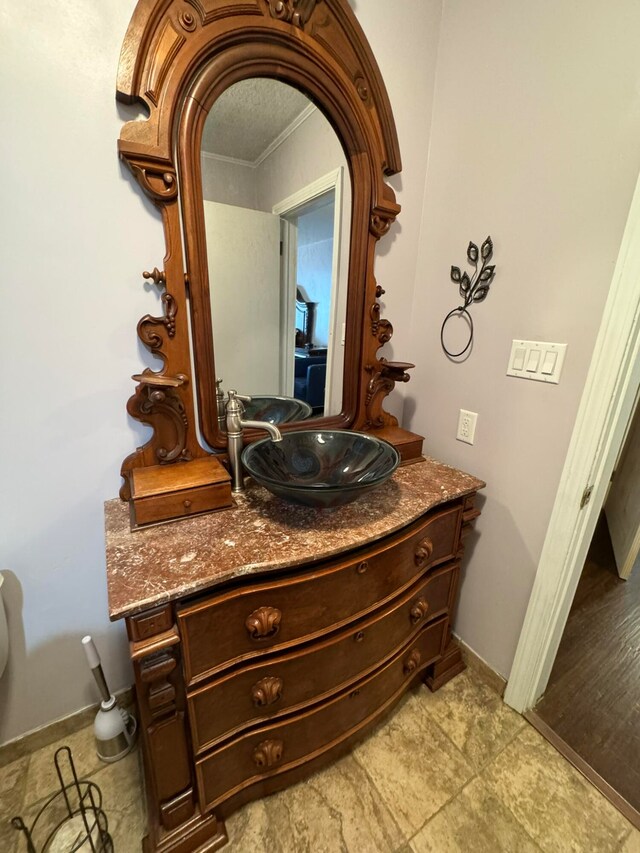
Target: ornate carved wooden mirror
{"x":192,"y":62}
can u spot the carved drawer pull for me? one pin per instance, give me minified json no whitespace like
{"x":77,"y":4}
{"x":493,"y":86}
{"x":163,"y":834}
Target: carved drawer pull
{"x":423,"y":552}
{"x":359,"y":637}
{"x":187,"y":504}
{"x":267,"y":691}
{"x":412,"y":662}
{"x":419,"y":610}
{"x":268,"y":753}
{"x":354,"y":693}
{"x":362,"y":567}
{"x":263,"y":623}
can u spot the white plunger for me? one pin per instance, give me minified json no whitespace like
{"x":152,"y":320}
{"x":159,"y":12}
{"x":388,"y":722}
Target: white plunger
{"x":114,"y":728}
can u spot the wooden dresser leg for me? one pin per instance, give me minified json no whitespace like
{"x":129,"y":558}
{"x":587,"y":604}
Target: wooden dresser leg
{"x":174,"y":819}
{"x":450,"y":665}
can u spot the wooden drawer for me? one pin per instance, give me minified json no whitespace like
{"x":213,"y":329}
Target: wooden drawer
{"x":248,"y":622}
{"x":289,"y":682}
{"x":163,"y":492}
{"x":277,"y":747}
{"x":178,"y":504}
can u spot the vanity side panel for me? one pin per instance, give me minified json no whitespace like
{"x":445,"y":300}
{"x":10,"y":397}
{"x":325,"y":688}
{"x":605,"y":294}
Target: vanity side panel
{"x":175,"y":822}
{"x":452,"y":663}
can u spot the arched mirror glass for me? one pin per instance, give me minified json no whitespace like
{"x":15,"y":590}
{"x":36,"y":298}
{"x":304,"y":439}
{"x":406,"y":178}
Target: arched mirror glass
{"x":277,"y":212}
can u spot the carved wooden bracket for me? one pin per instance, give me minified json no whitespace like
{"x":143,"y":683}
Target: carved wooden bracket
{"x":267,"y":691}
{"x":158,"y":181}
{"x":380,"y":223}
{"x":268,"y":753}
{"x":412,"y":662}
{"x":419,"y":610}
{"x":296,"y":12}
{"x":384,"y":375}
{"x":157,"y":403}
{"x":263,"y":623}
{"x":423,"y":552}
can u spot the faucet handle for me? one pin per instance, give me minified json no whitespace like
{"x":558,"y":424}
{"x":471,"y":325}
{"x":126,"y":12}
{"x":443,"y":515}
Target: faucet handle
{"x":233,"y":395}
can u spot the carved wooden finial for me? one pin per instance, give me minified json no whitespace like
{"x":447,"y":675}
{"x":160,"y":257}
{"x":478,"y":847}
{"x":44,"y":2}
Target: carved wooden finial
{"x":157,"y":276}
{"x":296,"y":12}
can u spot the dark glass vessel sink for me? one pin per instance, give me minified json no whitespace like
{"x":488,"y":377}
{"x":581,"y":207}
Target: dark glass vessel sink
{"x":321,"y":468}
{"x":276,"y":410}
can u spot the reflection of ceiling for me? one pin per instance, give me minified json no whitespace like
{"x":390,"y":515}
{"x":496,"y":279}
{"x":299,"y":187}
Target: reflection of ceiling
{"x":249,"y":117}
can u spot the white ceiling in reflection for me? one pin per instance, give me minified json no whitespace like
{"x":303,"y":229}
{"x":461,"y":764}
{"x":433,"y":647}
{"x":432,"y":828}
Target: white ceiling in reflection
{"x":250,"y":116}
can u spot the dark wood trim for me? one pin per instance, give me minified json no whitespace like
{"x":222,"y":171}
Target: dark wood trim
{"x":623,"y":806}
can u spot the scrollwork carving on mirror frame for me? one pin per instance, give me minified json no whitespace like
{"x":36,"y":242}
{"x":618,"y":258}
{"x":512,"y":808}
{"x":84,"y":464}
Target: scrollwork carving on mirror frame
{"x":162,"y":408}
{"x":296,"y":12}
{"x":158,"y":183}
{"x":146,"y":332}
{"x":380,"y":224}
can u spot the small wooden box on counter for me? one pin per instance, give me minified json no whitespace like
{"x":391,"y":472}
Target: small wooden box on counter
{"x":408,"y":444}
{"x":164,"y":492}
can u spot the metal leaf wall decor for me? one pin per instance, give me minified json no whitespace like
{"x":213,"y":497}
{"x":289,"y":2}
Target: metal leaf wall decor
{"x":474,"y":288}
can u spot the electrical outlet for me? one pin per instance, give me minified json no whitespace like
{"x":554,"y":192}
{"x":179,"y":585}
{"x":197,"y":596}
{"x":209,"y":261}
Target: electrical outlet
{"x":467,"y":426}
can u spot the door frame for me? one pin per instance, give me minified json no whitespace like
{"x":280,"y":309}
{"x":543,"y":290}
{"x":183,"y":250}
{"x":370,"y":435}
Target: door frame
{"x":604,"y":412}
{"x":321,"y":186}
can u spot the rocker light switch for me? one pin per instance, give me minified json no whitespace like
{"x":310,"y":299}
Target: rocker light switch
{"x":533,"y":362}
{"x":518,"y":359}
{"x":536,"y":360}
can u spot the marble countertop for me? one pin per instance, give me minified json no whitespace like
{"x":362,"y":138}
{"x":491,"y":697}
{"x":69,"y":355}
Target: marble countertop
{"x":151,"y":566}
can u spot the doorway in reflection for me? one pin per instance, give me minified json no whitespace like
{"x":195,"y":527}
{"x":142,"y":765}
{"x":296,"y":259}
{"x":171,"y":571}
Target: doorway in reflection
{"x":310,"y":284}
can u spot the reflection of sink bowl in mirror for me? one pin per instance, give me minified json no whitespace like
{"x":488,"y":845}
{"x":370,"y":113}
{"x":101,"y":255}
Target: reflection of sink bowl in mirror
{"x":321,"y":468}
{"x":276,"y":410}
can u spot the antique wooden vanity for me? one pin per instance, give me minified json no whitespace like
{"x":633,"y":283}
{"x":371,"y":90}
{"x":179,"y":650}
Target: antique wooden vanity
{"x":266,"y":638}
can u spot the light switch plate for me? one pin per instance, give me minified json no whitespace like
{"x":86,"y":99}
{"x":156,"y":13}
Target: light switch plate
{"x":536,"y":360}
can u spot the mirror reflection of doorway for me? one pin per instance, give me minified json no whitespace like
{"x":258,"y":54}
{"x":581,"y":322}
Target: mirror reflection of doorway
{"x":313,"y":294}
{"x":310,"y":284}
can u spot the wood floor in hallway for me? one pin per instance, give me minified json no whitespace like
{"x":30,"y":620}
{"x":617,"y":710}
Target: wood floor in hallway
{"x":593,"y":698}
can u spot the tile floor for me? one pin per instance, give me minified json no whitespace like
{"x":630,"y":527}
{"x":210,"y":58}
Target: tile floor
{"x":454,"y":771}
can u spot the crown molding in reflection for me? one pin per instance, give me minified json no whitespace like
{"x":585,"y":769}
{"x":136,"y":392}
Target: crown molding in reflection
{"x":277,"y":142}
